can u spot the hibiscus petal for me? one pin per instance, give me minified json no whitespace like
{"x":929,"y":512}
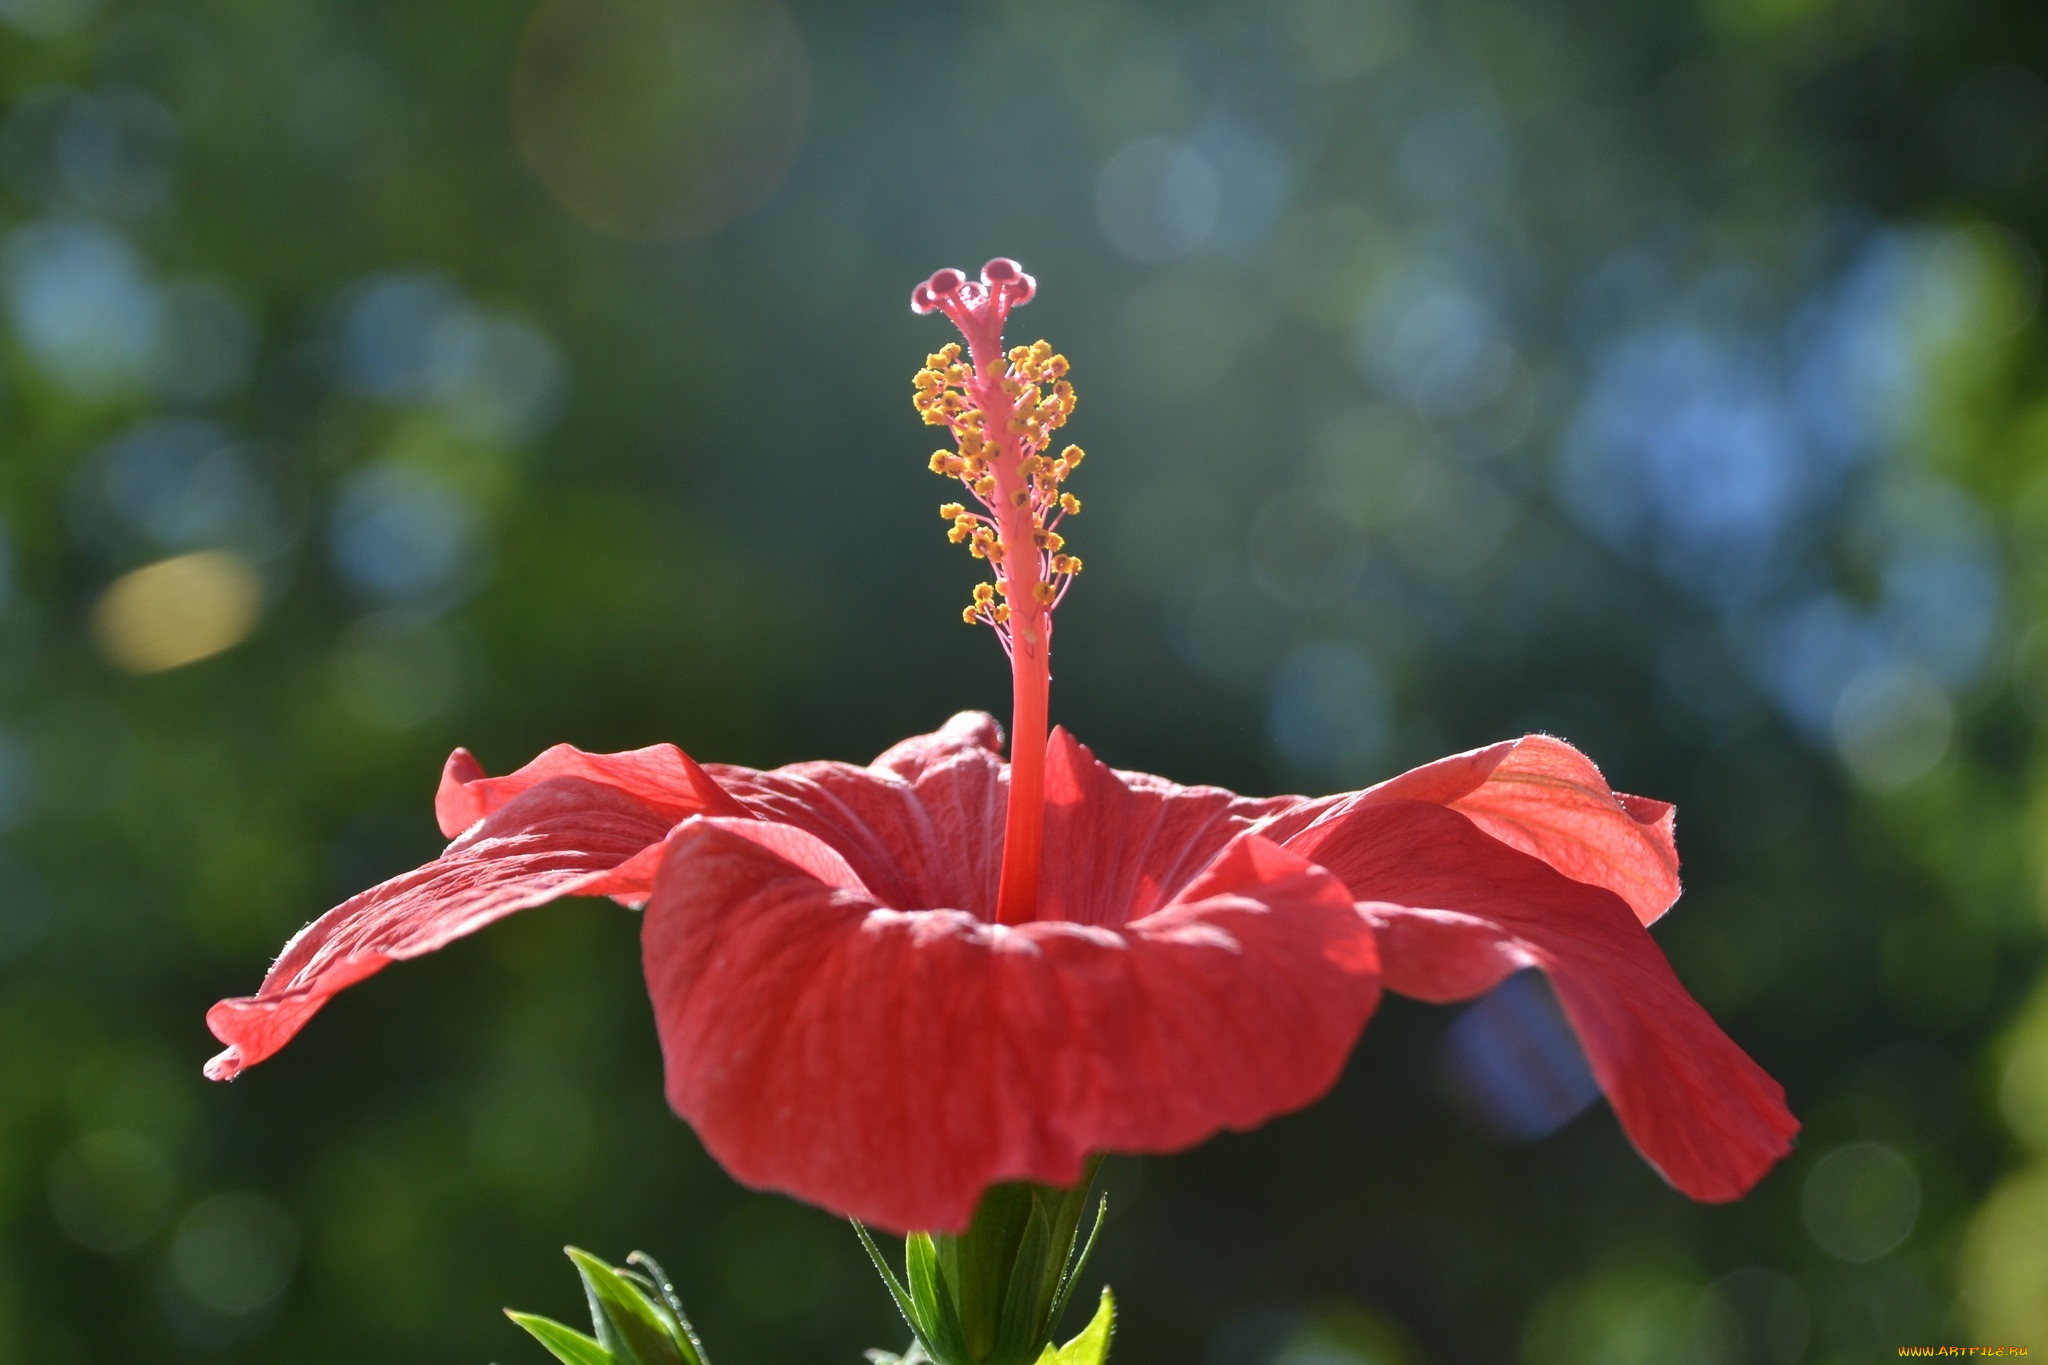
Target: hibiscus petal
{"x":1544,"y":797}
{"x":891,"y":1065}
{"x":964,"y":732}
{"x":1119,"y":844}
{"x":1457,"y":910}
{"x":923,"y":827}
{"x":661,"y":776}
{"x":562,"y":837}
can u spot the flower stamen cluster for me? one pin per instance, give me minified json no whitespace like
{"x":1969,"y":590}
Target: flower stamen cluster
{"x":1002,"y":465}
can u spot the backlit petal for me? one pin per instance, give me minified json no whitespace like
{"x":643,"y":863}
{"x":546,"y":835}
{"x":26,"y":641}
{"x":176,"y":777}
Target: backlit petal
{"x":891,"y":1065}
{"x":661,"y":776}
{"x":964,"y":732}
{"x":1457,"y":910}
{"x":1544,"y":797}
{"x":559,"y":838}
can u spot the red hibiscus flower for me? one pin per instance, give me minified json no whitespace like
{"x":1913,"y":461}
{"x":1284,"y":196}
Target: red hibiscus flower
{"x":883,"y":989}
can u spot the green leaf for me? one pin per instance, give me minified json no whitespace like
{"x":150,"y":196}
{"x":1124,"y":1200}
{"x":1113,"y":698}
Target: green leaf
{"x":564,"y":1343}
{"x":1092,"y":1346}
{"x":640,"y":1333}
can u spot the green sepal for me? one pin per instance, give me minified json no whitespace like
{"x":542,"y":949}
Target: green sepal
{"x":565,"y":1344}
{"x":1092,"y":1346}
{"x":994,"y":1293}
{"x":896,"y":1289}
{"x":1072,"y":1274}
{"x":629,"y":1325}
{"x":1019,"y":1324}
{"x":937,"y":1320}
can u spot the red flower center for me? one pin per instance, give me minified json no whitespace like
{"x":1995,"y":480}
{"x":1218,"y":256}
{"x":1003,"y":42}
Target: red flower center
{"x":1002,"y":408}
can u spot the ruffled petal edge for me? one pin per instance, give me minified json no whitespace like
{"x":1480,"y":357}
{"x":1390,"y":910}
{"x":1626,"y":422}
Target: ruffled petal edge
{"x":1543,"y":797}
{"x":660,"y":776}
{"x":1457,"y":910}
{"x":565,"y":836}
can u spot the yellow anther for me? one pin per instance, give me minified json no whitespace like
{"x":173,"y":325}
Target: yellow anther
{"x":971,"y":615}
{"x":1004,"y":449}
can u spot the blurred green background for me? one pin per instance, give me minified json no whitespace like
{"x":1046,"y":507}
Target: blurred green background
{"x":381,"y":377}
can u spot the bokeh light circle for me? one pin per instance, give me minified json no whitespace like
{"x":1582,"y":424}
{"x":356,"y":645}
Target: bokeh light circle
{"x":177,"y":611}
{"x":235,"y":1253}
{"x":1158,"y":199}
{"x":111,"y":1191}
{"x":1981,"y":284}
{"x":2004,"y":1260}
{"x":1752,"y":1316}
{"x":1893,"y":725}
{"x":1861,"y":1201}
{"x":660,"y":119}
